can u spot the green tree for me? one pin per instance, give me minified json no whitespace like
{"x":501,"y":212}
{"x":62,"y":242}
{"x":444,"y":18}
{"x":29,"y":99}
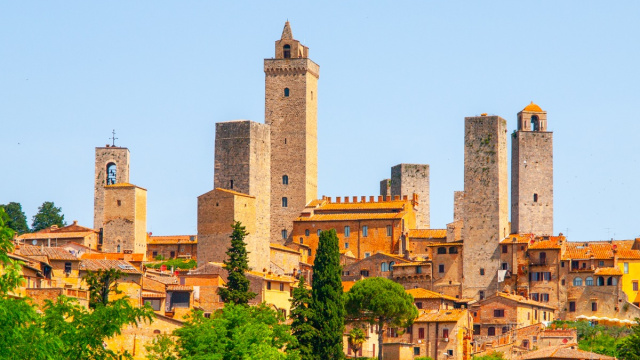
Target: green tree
{"x":162,"y":347}
{"x":629,"y":348}
{"x":236,"y":264}
{"x":382,"y":302}
{"x":101,"y":283}
{"x":356,"y":338}
{"x":494,"y":355}
{"x":327,"y":302}
{"x":300,"y":316}
{"x":48,"y":215}
{"x":17,"y":219}
{"x":236,"y":332}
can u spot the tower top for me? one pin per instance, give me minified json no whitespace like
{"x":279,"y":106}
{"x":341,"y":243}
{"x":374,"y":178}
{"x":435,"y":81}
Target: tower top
{"x":286,"y":32}
{"x":532,"y":107}
{"x":532,"y":118}
{"x":288,"y":47}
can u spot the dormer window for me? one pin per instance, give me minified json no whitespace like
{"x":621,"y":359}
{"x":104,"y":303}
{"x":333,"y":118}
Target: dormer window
{"x":286,"y":51}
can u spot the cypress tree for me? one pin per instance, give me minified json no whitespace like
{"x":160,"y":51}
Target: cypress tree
{"x":301,"y":315}
{"x":327,"y":303}
{"x":236,"y":264}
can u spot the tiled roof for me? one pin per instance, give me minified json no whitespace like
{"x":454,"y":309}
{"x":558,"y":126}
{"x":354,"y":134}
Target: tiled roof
{"x":384,"y":205}
{"x":420,"y":293}
{"x":153,"y":295}
{"x":167,"y":280}
{"x":347,"y":285}
{"x":352,"y":216}
{"x":69,"y":228}
{"x":608,"y":271}
{"x":234,"y":192}
{"x":411,"y":263}
{"x":52,"y":253}
{"x":532,"y":107}
{"x":452,"y":315}
{"x":597,"y":250}
{"x":457,"y":243}
{"x":124,"y":185}
{"x":173,"y":239}
{"x":113,"y":256}
{"x":179,"y":288}
{"x":521,"y":300}
{"x":273,"y":277}
{"x":519,"y":239}
{"x":554,"y":242}
{"x":55,"y":235}
{"x":428,"y":233}
{"x":283,"y":248}
{"x":569,"y":351}
{"x":95,"y":265}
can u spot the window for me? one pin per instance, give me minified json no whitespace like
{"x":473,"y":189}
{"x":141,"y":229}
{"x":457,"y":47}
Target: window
{"x":534,"y":276}
{"x":543,"y":258}
{"x":482,"y":271}
{"x":481,"y":293}
{"x":544,"y":315}
{"x":505,"y":249}
{"x":391,"y":263}
{"x":635,"y":285}
{"x":498,"y":313}
{"x":476,"y":329}
{"x":365,"y":230}
{"x":577,"y":281}
{"x":286,"y":52}
{"x":347,"y":231}
{"x":384,"y":267}
{"x":418,"y":269}
{"x":535,"y":197}
{"x":445,"y":333}
{"x":281,"y":286}
{"x":67,"y":268}
{"x":285,"y":180}
{"x":112,"y":171}
{"x":119,"y":203}
{"x":441,"y":268}
{"x":416,"y":351}
{"x":346,"y":245}
{"x":367,"y":254}
{"x":491,"y":331}
{"x":420,"y":333}
{"x":364,"y":272}
{"x":118,"y":248}
{"x":594,"y":306}
{"x":535,"y":314}
{"x":309,"y":252}
{"x":600,"y":263}
{"x":589,"y":281}
{"x":306,"y":232}
{"x":626,"y":268}
{"x":154,"y":303}
{"x":268,"y":285}
{"x":561,"y":263}
{"x":284,"y":202}
{"x":505,"y":329}
{"x":600,"y":281}
{"x":155,"y":253}
{"x":546,"y":276}
{"x":534,"y":296}
{"x":544,"y":297}
{"x":442,"y":250}
{"x":505,"y":266}
{"x":535,"y":125}
{"x":301,"y":240}
{"x":563,"y":282}
{"x":284,"y":234}
{"x":453,"y":250}
{"x":286,"y":92}
{"x":231,"y":184}
{"x":389,"y":230}
{"x":180,"y":300}
{"x":572,"y":306}
{"x":319,"y":231}
{"x":450,"y":352}
{"x":525,"y":344}
{"x":419,"y":304}
{"x":172,"y":254}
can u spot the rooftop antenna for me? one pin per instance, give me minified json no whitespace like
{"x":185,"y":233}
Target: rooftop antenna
{"x":113,"y":138}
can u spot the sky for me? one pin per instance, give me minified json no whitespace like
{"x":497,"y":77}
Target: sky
{"x":396,"y":81}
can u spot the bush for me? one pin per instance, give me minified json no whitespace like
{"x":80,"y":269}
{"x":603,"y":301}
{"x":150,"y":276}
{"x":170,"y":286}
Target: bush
{"x":175,"y":263}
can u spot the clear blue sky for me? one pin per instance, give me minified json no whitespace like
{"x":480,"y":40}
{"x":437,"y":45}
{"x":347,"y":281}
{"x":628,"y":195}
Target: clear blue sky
{"x":396,"y":81}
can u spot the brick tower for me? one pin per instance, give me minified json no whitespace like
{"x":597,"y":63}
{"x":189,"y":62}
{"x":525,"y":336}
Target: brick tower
{"x":532,"y":174}
{"x":486,"y":202}
{"x":409,"y":179}
{"x":112,"y":167}
{"x":291,"y":92}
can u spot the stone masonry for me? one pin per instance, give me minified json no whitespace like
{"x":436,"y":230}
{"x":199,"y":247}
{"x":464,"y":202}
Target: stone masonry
{"x":125,"y":219}
{"x":105,"y":156}
{"x":532,"y":174}
{"x":291,"y":92}
{"x":385,"y":187}
{"x":407,"y":179}
{"x":486,"y":207}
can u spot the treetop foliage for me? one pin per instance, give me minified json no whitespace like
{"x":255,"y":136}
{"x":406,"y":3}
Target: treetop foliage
{"x":17,"y":219}
{"x":47,"y":216}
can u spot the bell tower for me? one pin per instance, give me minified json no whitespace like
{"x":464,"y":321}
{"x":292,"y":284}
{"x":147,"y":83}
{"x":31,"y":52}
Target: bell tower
{"x":111,"y":167}
{"x":532,"y":173}
{"x":291,"y":92}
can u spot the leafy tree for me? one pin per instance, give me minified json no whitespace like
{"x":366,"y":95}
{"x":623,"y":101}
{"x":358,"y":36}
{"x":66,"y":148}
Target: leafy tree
{"x":161,"y":348}
{"x":382,"y":302}
{"x":236,"y":332}
{"x":236,"y":264}
{"x":101,"y":283}
{"x":327,"y":303}
{"x":47,"y":216}
{"x":17,"y":219}
{"x":494,"y":355}
{"x":629,"y":348}
{"x":356,"y":338}
{"x":300,"y":316}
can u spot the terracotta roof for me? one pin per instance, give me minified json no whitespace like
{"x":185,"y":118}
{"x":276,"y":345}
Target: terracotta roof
{"x":272,"y":276}
{"x":95,"y":265}
{"x":569,"y":351}
{"x":167,"y":280}
{"x":412,"y":263}
{"x":395,"y":256}
{"x":597,"y":250}
{"x":179,"y":288}
{"x":352,"y":216}
{"x":457,"y":243}
{"x":452,"y":315}
{"x":428,"y":233}
{"x":55,"y":235}
{"x":153,"y":295}
{"x":552,"y":243}
{"x":173,"y":239}
{"x":234,"y":192}
{"x":69,"y":228}
{"x":519,"y":239}
{"x":532,"y":107}
{"x":608,"y":271}
{"x":124,"y":185}
{"x":347,"y":285}
{"x":283,"y":248}
{"x":420,"y":293}
{"x":519,"y":299}
{"x":113,"y":256}
{"x":52,"y":253}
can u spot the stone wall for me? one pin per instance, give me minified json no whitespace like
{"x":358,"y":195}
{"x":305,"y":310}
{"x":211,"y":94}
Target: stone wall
{"x":385,"y":187}
{"x":407,"y":179}
{"x":125,"y":219}
{"x":105,"y":156}
{"x":485,"y":201}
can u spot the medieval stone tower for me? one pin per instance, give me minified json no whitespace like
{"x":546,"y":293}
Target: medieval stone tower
{"x":111,"y":167}
{"x":409,"y":179}
{"x":486,"y":203}
{"x":532,"y":174}
{"x":125,"y":219}
{"x":291,"y":93}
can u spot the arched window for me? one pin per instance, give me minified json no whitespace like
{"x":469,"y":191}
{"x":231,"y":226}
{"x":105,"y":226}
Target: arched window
{"x":301,"y":241}
{"x":391,"y":263}
{"x":442,"y":250}
{"x":504,"y":329}
{"x":384,"y":267}
{"x":600,"y":281}
{"x":306,"y":232}
{"x":588,"y":281}
{"x":535,"y":123}
{"x":112,"y":171}
{"x":118,"y":248}
{"x":285,"y":180}
{"x":491,"y":331}
{"x":286,"y":51}
{"x":577,"y":281}
{"x":286,"y":92}
{"x":611,"y":281}
{"x":453,"y":250}
{"x":285,"y":202}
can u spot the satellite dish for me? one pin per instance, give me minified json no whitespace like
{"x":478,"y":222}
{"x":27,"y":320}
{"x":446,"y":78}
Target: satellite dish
{"x":34,"y":242}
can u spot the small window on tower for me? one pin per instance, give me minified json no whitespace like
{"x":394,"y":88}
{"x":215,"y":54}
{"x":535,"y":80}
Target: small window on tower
{"x":285,"y":180}
{"x":535,"y":123}
{"x":286,"y":51}
{"x":231,"y":184}
{"x":284,"y":234}
{"x":286,"y":92}
{"x":119,"y":203}
{"x":284,"y":202}
{"x":535,"y":197}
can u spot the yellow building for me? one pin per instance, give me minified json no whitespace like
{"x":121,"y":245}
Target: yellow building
{"x":629,"y":264}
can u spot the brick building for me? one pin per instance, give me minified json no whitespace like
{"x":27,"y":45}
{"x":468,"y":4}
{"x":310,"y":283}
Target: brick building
{"x":172,"y":247}
{"x":58,"y":237}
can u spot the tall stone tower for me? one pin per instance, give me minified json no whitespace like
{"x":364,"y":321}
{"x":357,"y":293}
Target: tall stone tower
{"x":125,"y":219}
{"x":111,"y":167}
{"x":409,"y":179}
{"x":532,"y":174}
{"x":291,"y":93}
{"x":486,"y":203}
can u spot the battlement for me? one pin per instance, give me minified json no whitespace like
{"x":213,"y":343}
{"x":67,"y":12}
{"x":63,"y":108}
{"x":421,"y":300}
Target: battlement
{"x":363,"y":199}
